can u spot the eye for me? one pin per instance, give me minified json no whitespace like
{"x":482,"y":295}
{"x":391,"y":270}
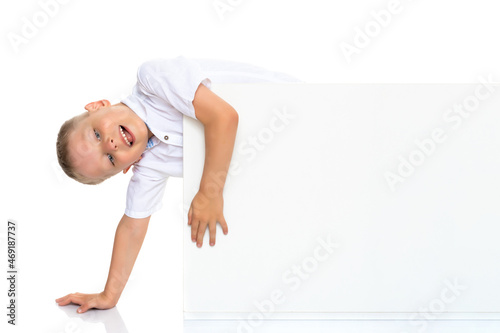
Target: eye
{"x":111,"y":159}
{"x":97,"y":135}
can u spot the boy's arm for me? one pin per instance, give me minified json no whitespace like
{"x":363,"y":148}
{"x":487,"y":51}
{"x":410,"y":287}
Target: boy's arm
{"x":129,"y":237}
{"x":220,"y":121}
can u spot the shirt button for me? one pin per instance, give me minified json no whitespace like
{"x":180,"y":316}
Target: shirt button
{"x":166,"y":137}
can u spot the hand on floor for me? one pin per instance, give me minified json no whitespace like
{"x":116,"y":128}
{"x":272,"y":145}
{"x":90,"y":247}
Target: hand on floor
{"x":87,"y":301}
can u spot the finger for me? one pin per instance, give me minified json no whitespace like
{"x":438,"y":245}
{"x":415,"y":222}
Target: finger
{"x":223,"y":224}
{"x":66,"y":296}
{"x":201,"y":233}
{"x":61,"y":298}
{"x":72,"y":298}
{"x":212,"y":231}
{"x":194,"y":229}
{"x":190,"y":214}
{"x":85,"y":306}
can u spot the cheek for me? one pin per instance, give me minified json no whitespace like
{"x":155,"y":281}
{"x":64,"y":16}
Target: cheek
{"x":136,"y":155}
{"x":108,"y":125}
{"x":107,"y":122}
{"x":127,"y":158}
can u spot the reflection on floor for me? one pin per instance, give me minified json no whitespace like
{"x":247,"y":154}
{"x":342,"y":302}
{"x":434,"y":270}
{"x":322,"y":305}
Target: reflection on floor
{"x":111,"y":319}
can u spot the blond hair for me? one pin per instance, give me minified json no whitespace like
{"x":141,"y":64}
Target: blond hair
{"x":63,"y":153}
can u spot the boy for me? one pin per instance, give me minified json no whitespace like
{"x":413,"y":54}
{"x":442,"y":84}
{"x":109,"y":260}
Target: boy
{"x":145,"y":130}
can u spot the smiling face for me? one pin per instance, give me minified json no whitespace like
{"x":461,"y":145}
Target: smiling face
{"x":106,"y":140}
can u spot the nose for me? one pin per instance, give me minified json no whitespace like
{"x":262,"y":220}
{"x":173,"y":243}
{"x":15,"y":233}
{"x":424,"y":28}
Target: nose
{"x":112,"y":144}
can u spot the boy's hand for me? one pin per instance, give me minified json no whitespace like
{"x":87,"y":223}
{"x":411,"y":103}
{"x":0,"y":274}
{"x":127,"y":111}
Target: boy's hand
{"x":206,"y":210}
{"x":88,"y":301}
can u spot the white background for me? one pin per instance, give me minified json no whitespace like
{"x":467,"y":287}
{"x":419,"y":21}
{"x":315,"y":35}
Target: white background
{"x":90,"y":50}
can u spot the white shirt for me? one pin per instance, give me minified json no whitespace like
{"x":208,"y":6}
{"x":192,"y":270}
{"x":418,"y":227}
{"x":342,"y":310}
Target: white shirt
{"x":163,"y":94}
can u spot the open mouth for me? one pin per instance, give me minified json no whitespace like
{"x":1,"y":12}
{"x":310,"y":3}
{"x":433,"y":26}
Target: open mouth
{"x":127,"y":136}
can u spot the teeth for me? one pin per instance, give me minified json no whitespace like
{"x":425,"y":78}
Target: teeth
{"x":124,"y":136}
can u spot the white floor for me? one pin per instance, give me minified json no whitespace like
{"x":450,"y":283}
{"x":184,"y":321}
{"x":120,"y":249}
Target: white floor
{"x":65,"y":319}
{"x":127,"y":319}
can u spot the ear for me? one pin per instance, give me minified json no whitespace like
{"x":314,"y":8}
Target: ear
{"x":128,"y":168}
{"x":94,"y":106}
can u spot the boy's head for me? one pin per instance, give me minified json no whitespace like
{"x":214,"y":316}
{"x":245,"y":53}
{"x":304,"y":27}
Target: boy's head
{"x":101,"y":142}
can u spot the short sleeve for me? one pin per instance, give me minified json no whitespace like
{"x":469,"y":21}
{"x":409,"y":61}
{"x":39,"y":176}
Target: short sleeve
{"x":144,"y":195}
{"x":175,"y":81}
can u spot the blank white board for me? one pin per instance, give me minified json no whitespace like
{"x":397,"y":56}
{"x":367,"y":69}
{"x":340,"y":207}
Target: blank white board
{"x":352,"y":202}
